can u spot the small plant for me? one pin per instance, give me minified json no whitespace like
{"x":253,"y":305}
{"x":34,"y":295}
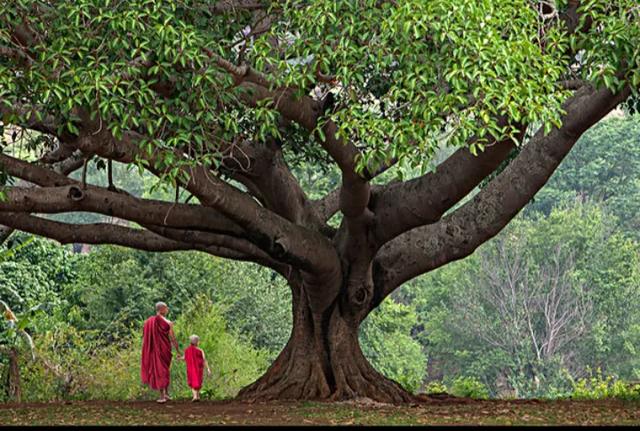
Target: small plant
{"x":469,"y":387}
{"x":435,"y":387}
{"x":599,"y":386}
{"x":207,"y":394}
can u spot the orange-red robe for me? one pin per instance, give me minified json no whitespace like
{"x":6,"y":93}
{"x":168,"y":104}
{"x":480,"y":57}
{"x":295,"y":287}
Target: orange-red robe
{"x":195,"y":366}
{"x":156,"y":353}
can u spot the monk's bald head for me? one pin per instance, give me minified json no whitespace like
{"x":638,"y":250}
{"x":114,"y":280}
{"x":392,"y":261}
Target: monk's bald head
{"x":162,"y":308}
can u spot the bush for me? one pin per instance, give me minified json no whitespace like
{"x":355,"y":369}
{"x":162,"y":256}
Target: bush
{"x":598,"y":386}
{"x":469,"y":387}
{"x":234,"y":362}
{"x":77,"y":365}
{"x":69,"y":365}
{"x":436,"y":387}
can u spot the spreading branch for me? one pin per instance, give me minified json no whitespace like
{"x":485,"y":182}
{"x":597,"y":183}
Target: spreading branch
{"x":457,"y":235}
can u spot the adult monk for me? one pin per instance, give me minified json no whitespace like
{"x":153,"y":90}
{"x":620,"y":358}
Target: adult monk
{"x":157,"y":339}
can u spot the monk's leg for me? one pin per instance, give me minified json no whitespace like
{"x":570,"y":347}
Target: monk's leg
{"x":163,"y":395}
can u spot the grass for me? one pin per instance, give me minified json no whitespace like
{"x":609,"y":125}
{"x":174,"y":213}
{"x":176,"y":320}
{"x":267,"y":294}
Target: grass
{"x":451,"y":412}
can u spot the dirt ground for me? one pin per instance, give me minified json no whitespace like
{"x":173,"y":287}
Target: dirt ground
{"x":364,"y":412}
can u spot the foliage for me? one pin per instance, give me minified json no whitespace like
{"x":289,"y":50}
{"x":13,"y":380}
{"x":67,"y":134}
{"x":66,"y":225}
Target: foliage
{"x":256,"y":302}
{"x":71,"y":364}
{"x":405,"y":75}
{"x":33,"y":274}
{"x":116,"y":288}
{"x":435,"y":387}
{"x":464,"y":332}
{"x":469,"y":387}
{"x":600,"y":173}
{"x":412,"y":50}
{"x":597,"y":386}
{"x":233,"y":361}
{"x":386,"y":341}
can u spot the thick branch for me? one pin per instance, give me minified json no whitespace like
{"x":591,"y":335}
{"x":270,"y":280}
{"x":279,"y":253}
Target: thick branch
{"x":262,"y":168}
{"x":53,"y":200}
{"x":328,"y":205}
{"x":32,"y":173}
{"x":103,"y":233}
{"x":98,"y":233}
{"x":306,"y":112}
{"x":460,"y":233}
{"x":274,"y":234}
{"x":62,"y":168}
{"x":402,"y":206}
{"x":160,"y":214}
{"x":63,"y":194}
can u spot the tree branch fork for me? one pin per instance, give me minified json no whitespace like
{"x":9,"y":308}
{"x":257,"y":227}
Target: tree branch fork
{"x":390,"y":233}
{"x":231,"y":223}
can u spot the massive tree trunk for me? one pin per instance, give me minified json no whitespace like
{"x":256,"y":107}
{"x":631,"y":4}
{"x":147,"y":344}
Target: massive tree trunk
{"x":323,"y":359}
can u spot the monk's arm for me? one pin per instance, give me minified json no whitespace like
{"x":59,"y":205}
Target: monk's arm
{"x":174,"y":341}
{"x":206,"y":364}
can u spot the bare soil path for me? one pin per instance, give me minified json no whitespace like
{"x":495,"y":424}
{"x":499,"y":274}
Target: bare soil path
{"x":431,"y":412}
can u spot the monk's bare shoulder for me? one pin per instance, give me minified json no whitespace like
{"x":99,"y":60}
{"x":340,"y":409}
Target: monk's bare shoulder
{"x":167,"y":320}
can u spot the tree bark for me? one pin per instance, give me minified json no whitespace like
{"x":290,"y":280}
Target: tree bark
{"x":322,"y":359}
{"x":15,"y":392}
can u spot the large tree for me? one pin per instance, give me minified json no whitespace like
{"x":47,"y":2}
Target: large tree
{"x":224,"y":98}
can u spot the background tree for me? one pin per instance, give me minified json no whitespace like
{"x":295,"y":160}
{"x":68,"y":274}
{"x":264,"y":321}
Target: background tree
{"x":602,"y":168}
{"x":386,"y":341}
{"x":15,"y":340}
{"x":220,"y":99}
{"x":568,"y":276}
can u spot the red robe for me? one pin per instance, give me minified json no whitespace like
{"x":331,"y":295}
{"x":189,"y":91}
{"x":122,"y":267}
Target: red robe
{"x":156,"y":353}
{"x":195,"y":366}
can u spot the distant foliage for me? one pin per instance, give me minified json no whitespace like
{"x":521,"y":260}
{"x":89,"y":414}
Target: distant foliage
{"x":603,"y":167}
{"x":598,"y":386}
{"x":70,"y":364}
{"x":233,"y":360}
{"x":386,"y":341}
{"x":116,"y":288}
{"x":489,"y":316}
{"x":256,"y":302}
{"x":34,"y":274}
{"x":469,"y":387}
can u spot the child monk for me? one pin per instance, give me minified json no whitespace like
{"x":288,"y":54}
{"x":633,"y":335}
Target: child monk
{"x":195,"y":360}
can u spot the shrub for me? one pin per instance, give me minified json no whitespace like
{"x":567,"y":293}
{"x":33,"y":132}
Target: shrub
{"x":69,"y":365}
{"x":234,"y":362}
{"x":78,"y":365}
{"x":469,"y":387}
{"x":598,"y":386}
{"x":435,"y":387}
